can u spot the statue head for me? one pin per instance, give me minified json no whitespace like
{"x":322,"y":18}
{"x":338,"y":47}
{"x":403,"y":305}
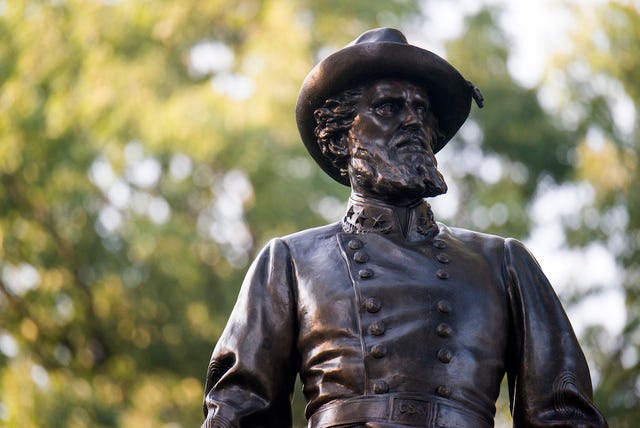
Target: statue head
{"x":380,"y":134}
{"x":379,"y":89}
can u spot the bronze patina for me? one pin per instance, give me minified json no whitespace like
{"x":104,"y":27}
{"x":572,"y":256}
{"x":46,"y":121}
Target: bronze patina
{"x":390,"y":318}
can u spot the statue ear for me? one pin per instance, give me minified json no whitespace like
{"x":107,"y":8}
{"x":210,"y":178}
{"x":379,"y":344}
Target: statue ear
{"x":339,"y":149}
{"x":342,"y":148}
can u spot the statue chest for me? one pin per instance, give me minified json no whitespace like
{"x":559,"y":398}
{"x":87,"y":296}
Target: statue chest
{"x":404,"y":311}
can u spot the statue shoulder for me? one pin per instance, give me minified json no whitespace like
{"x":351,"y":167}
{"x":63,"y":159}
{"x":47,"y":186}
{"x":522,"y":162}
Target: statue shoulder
{"x":470,"y":237}
{"x":308,"y":240}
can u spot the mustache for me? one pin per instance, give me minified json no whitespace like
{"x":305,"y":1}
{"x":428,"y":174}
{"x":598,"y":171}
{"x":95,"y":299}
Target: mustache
{"x":411,"y":138}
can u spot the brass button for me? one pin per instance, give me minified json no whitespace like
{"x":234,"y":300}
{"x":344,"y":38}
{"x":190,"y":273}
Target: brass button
{"x":442,"y":274}
{"x":439,"y":244}
{"x":377,"y":328}
{"x":443,"y":258}
{"x":365,"y":273}
{"x":444,"y":330}
{"x":444,"y":306}
{"x":355,"y":244}
{"x":443,"y":391}
{"x":444,"y":355}
{"x":360,"y":257}
{"x":372,"y":305}
{"x":378,"y":351}
{"x":380,"y":387}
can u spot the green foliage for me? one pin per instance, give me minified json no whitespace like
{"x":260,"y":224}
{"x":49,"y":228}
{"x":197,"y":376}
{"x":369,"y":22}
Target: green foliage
{"x":602,"y":72}
{"x":526,"y":142}
{"x":136,"y":185}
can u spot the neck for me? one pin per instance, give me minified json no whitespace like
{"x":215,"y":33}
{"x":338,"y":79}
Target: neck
{"x":367,"y":214}
{"x":391,"y":202}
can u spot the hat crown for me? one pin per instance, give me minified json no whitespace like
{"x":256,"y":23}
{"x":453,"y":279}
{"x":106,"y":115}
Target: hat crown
{"x":380,"y":35}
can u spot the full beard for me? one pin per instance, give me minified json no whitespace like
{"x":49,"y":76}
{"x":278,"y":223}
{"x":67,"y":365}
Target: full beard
{"x":391,"y":175}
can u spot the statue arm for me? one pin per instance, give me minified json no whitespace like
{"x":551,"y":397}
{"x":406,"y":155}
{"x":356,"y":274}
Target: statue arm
{"x":549,"y":381}
{"x":253,"y":367}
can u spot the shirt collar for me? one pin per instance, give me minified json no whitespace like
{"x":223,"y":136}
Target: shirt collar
{"x":366,"y":215}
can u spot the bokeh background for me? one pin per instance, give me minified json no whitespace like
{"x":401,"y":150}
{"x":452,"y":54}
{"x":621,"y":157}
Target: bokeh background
{"x":148,"y":150}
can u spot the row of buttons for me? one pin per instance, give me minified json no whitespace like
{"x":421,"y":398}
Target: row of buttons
{"x":378,"y":328}
{"x":443,"y":330}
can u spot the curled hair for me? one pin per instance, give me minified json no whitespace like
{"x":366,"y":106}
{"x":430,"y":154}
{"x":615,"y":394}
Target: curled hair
{"x":334,"y":119}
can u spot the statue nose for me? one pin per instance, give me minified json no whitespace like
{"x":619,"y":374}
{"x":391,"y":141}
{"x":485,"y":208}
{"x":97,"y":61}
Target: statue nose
{"x":411,"y":119}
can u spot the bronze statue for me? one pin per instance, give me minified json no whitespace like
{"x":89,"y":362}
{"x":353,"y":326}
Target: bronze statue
{"x":390,"y":318}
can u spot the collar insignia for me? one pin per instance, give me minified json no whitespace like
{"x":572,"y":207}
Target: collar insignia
{"x":365,"y":215}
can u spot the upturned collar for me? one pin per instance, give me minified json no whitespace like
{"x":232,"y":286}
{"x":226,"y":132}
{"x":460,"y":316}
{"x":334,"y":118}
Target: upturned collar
{"x":366,"y":215}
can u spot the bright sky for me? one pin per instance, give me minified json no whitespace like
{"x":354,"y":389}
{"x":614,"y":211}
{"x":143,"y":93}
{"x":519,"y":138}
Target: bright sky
{"x":538,"y":29}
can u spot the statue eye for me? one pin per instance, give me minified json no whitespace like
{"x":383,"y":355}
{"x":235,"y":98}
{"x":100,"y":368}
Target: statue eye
{"x":387,"y":109}
{"x":420,"y":109}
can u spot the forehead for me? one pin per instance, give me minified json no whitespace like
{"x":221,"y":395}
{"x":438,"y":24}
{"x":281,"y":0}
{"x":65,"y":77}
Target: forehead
{"x":394,"y":87}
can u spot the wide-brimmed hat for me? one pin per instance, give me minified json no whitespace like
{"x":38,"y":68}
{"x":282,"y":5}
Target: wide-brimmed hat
{"x":382,"y":53}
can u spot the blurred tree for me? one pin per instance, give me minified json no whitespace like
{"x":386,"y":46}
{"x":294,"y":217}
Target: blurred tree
{"x":499,"y":158}
{"x":602,"y":71}
{"x":147,"y":150}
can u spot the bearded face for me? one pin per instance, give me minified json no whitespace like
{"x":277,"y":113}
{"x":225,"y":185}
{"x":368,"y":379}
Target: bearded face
{"x":390,"y":155}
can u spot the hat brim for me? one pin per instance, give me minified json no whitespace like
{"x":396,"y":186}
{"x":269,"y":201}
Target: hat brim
{"x":449,"y":93}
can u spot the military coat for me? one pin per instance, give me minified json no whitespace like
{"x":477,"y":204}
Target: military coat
{"x":392,"y":326}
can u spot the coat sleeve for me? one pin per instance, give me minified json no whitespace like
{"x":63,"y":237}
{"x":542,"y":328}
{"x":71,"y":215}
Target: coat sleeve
{"x":549,"y":381}
{"x":253,"y":367}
